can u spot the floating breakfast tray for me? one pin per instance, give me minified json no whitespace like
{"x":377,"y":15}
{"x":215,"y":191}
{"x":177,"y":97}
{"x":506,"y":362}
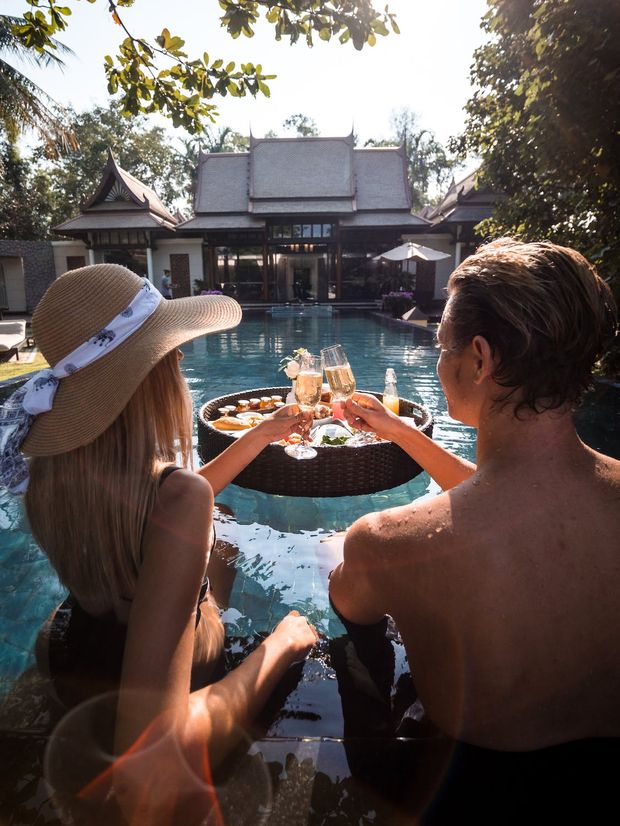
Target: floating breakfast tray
{"x":335,"y":471}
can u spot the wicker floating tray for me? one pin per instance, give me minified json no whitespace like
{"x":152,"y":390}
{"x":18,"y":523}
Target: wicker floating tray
{"x":335,"y":471}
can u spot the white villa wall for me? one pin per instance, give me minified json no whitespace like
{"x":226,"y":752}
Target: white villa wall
{"x":14,"y":283}
{"x":161,"y":255}
{"x":443,"y":269}
{"x":177,"y":246}
{"x":67,"y":249}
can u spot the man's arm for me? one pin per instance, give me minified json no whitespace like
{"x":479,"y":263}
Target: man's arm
{"x":365,"y":412}
{"x":355,"y":586}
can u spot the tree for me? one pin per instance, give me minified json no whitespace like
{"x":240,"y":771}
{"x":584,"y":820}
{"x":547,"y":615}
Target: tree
{"x":545,"y":120}
{"x":224,"y":139}
{"x":158,"y":76}
{"x":428,"y":165}
{"x":303,"y":125}
{"x":24,"y":196}
{"x":144,"y":152}
{"x":23,"y":105}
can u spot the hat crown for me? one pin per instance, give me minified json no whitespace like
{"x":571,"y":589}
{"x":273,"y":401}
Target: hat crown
{"x":80,"y":303}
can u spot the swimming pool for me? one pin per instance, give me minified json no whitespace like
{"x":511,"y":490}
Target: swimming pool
{"x":278,"y":558}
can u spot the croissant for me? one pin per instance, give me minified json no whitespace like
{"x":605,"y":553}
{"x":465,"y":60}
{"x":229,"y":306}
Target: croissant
{"x":231,"y":423}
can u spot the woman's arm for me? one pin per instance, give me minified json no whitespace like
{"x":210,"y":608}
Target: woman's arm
{"x":365,"y":412}
{"x":161,"y":727}
{"x":223,"y":469}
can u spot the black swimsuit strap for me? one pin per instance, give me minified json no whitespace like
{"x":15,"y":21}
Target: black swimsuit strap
{"x":166,"y":473}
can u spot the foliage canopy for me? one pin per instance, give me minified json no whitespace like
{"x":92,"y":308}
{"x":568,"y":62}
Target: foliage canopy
{"x":159,"y":76}
{"x":545,"y":120}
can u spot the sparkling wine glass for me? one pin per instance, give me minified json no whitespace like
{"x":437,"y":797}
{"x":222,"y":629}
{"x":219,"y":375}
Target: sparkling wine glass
{"x":308,"y":383}
{"x":342,"y":384}
{"x":339,"y":376}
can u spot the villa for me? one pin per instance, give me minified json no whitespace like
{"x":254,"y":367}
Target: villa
{"x":290,"y":219}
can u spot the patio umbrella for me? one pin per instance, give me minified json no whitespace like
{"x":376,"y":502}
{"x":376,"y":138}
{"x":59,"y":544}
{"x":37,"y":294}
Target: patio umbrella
{"x":415,"y":316}
{"x":411,"y":250}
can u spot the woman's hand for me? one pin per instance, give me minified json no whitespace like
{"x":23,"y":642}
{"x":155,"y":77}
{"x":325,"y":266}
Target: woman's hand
{"x":298,"y":635}
{"x":365,"y":412}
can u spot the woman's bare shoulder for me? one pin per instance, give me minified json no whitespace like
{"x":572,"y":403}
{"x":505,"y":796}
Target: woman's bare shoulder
{"x":183,"y":516}
{"x":184,"y":489}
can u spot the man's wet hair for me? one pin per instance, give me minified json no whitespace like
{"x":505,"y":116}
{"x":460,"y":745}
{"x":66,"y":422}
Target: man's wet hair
{"x":546,"y":313}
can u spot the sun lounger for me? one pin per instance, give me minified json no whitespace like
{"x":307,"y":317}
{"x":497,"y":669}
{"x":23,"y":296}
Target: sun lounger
{"x":12,"y":338}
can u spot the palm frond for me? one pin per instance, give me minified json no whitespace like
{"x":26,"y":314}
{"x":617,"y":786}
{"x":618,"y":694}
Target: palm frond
{"x":10,"y":42}
{"x":24,"y":105}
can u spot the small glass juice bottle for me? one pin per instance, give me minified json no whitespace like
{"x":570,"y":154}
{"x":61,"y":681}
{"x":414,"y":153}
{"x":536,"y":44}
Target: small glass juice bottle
{"x":390,"y":393}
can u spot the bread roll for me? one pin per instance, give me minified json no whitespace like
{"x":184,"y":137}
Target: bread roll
{"x":231,"y":423}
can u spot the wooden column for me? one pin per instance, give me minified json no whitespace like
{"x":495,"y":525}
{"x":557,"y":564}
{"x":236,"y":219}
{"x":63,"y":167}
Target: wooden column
{"x":338,"y":264}
{"x":265,"y":294}
{"x":211,"y":266}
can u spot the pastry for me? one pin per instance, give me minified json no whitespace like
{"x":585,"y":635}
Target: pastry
{"x":231,"y":423}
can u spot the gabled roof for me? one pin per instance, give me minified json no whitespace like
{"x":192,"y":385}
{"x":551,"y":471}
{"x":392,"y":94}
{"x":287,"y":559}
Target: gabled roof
{"x":464,"y":202}
{"x":222,"y":182}
{"x":287,"y":169}
{"x":381,"y":177}
{"x":120,"y":202}
{"x":304,"y":176}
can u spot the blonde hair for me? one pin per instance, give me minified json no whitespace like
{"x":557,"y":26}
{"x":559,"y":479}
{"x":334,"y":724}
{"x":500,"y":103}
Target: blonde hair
{"x":546,"y":313}
{"x":88,"y":507}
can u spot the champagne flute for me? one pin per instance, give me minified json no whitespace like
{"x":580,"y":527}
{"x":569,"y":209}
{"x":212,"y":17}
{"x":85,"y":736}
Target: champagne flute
{"x":339,"y":376}
{"x":308,"y":383}
{"x":342,"y":384}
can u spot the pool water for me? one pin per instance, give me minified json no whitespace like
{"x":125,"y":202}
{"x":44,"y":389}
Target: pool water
{"x":279,"y":561}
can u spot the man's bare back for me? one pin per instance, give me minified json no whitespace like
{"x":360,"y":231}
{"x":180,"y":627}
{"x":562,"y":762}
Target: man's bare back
{"x":504,"y":587}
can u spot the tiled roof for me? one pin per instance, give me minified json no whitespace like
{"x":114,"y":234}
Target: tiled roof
{"x":222,"y":222}
{"x":112,"y":221}
{"x":463,"y":202}
{"x":381,"y":179}
{"x":222,"y":184}
{"x":382,"y":219}
{"x":304,"y":176}
{"x":129,"y":187}
{"x":302,"y":207}
{"x":301,"y":168}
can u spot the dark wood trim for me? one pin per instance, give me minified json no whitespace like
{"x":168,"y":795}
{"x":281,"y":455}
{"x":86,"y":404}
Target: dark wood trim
{"x":265,"y":294}
{"x":338,"y":264}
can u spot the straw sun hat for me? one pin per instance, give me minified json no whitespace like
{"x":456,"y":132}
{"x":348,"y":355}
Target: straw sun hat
{"x":77,"y":306}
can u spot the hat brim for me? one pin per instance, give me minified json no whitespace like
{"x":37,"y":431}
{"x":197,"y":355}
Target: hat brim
{"x":87,"y":402}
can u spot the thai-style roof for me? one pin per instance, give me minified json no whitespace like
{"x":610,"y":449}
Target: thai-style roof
{"x":303,"y":176}
{"x":297,"y":170}
{"x":222,"y":182}
{"x":120,"y":202}
{"x":464,"y":202}
{"x":381,"y":177}
{"x":224,"y":221}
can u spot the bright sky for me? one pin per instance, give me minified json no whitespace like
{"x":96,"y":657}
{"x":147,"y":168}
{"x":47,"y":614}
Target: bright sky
{"x":425,"y":68}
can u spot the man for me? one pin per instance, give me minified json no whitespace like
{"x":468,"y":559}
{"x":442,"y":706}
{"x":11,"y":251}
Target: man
{"x":505,"y":586}
{"x":166,"y":284}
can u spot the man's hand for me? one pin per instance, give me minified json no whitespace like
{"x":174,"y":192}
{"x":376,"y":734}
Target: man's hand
{"x":365,"y":412}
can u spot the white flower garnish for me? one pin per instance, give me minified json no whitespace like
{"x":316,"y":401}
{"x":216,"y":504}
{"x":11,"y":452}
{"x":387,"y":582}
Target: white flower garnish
{"x":292,"y":369}
{"x":291,"y":364}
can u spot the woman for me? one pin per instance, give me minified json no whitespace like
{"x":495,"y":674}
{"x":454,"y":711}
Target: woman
{"x":130,"y":534}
